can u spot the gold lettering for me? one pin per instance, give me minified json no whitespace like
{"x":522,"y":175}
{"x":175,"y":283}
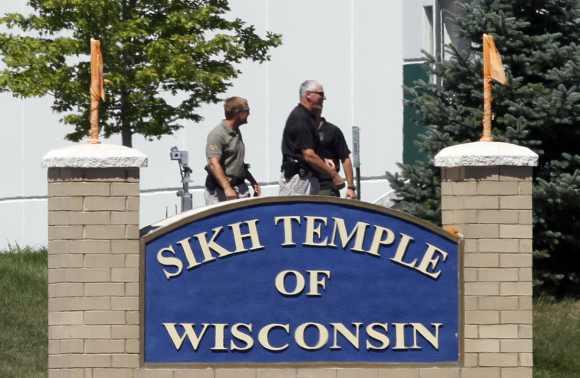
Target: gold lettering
{"x":252,"y":234}
{"x":352,"y":338}
{"x":264,"y":336}
{"x":433,"y":339}
{"x":316,"y":282}
{"x":400,"y":336}
{"x":402,"y":250}
{"x":313,"y":229}
{"x":287,"y":220}
{"x":430,"y":261}
{"x":378,"y":239}
{"x":208,"y":246}
{"x":241,"y":336}
{"x":220,"y":329}
{"x":193,"y":338}
{"x":322,"y":336}
{"x":280,"y":282}
{"x":359,"y":230}
{"x":375,"y":335}
{"x":188,"y":251}
{"x":169,"y":261}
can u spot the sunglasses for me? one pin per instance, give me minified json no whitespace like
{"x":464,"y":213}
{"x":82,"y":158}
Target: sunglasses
{"x":320,"y":93}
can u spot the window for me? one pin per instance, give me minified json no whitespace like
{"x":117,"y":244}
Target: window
{"x":428,"y":40}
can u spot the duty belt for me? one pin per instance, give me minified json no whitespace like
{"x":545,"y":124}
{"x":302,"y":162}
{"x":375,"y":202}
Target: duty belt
{"x":291,"y":167}
{"x":211,"y":183}
{"x":235,"y":181}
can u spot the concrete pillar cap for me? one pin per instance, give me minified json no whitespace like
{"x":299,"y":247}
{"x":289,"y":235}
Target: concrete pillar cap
{"x":94,"y":156}
{"x":485,"y":154}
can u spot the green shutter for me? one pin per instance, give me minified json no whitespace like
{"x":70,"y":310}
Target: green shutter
{"x":412,"y":124}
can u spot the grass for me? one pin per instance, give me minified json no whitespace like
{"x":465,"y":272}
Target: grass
{"x":23,"y":323}
{"x":556,"y":339}
{"x":23,"y":313}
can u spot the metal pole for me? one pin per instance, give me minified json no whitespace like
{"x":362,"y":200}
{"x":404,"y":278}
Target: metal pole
{"x":182,"y":158}
{"x":186,"y":197}
{"x":356,"y":158}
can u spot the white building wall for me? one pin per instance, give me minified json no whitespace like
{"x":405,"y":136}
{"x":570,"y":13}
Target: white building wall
{"x":355,"y":48}
{"x":418,"y":35}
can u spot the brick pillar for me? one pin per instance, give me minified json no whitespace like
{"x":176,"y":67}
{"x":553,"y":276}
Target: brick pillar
{"x":486,"y":193}
{"x":93,"y":261}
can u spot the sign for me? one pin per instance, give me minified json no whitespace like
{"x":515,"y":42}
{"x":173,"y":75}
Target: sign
{"x":300,"y":280}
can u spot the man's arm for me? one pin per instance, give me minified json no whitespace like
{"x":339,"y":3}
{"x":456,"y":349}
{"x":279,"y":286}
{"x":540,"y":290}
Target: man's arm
{"x":347,"y":166}
{"x":218,"y":173}
{"x":254,"y":183}
{"x":341,"y":149}
{"x":317,"y":163}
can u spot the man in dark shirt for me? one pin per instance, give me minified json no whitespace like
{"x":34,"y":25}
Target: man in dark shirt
{"x":300,"y":161}
{"x":333,"y":149}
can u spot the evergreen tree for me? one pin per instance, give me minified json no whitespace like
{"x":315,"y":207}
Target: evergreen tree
{"x":539,"y":109}
{"x":162,"y":59}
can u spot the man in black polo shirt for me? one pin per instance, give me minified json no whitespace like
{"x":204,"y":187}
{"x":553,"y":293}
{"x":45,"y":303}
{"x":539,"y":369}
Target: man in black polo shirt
{"x":333,"y":149}
{"x":301,"y":163}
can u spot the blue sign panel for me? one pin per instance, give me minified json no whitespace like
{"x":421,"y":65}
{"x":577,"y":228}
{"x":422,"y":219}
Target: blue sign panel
{"x":300,"y":280}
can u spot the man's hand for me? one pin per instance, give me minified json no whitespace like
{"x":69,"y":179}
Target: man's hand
{"x":338,"y":181}
{"x":230,"y":193}
{"x":350,"y":193}
{"x":257,"y":190}
{"x":330,"y":163}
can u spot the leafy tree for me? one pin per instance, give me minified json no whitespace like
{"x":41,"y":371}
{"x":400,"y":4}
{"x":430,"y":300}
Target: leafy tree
{"x":163,"y":59}
{"x":540,"y":109}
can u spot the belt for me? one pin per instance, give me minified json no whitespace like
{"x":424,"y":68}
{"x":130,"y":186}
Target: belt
{"x":291,"y":167}
{"x":235,"y":181}
{"x":211,"y":183}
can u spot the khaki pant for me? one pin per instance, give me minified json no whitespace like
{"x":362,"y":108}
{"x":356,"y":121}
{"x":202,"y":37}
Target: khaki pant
{"x":218,"y":195}
{"x":298,"y":186}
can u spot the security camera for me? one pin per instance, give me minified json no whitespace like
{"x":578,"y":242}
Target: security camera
{"x":175,"y":154}
{"x":181,"y":156}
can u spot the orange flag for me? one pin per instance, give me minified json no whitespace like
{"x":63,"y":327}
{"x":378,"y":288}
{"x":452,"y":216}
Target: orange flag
{"x":492,"y":70}
{"x":493,"y":59}
{"x":97,"y":88}
{"x":97,"y":83}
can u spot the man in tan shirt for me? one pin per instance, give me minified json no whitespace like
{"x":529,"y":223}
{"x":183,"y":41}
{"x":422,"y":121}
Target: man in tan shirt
{"x":225,"y":152}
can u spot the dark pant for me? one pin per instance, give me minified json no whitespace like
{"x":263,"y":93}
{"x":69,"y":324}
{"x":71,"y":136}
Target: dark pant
{"x":326,"y":189}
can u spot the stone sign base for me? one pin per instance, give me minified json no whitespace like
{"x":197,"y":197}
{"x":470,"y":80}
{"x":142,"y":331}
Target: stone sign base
{"x":94,"y":278}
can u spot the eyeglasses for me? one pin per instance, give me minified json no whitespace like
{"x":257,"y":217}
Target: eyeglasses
{"x":244,"y":110}
{"x":320,"y":93}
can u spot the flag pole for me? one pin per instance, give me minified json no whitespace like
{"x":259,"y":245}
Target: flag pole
{"x":97,"y":91}
{"x":487,"y":95}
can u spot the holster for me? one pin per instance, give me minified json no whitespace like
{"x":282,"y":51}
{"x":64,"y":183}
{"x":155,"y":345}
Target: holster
{"x":291,"y":167}
{"x":210,"y":182}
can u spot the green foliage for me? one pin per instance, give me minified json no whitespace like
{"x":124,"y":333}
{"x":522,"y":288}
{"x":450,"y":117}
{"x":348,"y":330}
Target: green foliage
{"x":539,"y":109}
{"x":163,"y":59}
{"x":23,"y":312}
{"x":556,"y":339}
